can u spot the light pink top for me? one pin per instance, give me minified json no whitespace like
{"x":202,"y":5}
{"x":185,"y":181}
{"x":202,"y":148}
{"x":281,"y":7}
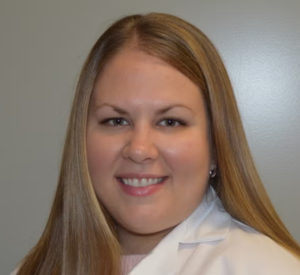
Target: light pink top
{"x":129,"y":262}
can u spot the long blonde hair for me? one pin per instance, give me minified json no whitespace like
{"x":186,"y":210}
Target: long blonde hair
{"x":79,"y":237}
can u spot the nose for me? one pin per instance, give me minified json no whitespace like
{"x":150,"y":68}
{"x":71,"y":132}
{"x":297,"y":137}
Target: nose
{"x":140,"y":147}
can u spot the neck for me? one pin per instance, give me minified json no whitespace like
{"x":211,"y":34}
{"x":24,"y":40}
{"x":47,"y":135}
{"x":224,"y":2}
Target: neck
{"x":133,"y":243}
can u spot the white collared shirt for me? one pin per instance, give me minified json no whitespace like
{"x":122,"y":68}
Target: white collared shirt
{"x":211,"y":242}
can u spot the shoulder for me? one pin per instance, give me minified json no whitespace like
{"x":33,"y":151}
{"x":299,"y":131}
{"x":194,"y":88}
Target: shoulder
{"x":218,"y":244}
{"x":260,"y":253}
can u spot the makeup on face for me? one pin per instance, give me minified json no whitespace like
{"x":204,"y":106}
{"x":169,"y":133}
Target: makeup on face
{"x":147,"y":143}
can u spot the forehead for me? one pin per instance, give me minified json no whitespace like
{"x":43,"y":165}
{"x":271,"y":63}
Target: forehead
{"x":136,"y":76}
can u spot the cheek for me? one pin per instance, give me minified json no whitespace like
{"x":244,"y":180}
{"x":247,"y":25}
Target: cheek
{"x":95,"y":156}
{"x":189,"y":156}
{"x":101,"y":154}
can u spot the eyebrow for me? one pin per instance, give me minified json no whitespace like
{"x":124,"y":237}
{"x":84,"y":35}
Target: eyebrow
{"x":161,"y":111}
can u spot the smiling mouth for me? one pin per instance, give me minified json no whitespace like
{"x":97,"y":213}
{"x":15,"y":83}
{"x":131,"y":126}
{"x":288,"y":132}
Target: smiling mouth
{"x":143,"y":182}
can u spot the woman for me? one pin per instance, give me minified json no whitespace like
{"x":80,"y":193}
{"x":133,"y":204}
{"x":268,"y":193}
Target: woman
{"x":156,"y":175}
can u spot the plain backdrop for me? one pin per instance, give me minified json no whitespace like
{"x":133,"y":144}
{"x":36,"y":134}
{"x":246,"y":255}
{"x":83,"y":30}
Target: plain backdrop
{"x":43,"y":46}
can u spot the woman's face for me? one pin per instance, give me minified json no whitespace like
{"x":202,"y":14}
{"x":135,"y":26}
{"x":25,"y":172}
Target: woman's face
{"x":147,"y":143}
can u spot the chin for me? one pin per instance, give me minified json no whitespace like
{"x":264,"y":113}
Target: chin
{"x":152,"y":228}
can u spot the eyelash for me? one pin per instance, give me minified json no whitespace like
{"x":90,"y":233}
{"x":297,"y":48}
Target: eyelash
{"x":106,"y":121}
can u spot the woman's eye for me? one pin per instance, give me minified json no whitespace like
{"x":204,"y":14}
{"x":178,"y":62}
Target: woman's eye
{"x":170,"y":122}
{"x":117,"y":121}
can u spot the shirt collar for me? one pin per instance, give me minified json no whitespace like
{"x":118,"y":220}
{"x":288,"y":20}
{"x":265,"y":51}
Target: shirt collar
{"x":209,"y":222}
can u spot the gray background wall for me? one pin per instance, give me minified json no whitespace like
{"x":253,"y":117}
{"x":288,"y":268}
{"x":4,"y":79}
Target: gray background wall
{"x":43,"y":45}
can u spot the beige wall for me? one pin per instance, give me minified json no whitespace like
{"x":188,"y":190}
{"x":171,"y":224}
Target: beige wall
{"x":43,"y":45}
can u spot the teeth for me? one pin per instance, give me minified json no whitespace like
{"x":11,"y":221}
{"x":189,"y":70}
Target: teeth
{"x":135,"y":183}
{"x":144,"y":182}
{"x":141,"y":183}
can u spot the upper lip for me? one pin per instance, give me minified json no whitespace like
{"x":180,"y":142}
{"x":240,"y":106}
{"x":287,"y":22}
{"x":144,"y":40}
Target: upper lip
{"x":139,"y":176}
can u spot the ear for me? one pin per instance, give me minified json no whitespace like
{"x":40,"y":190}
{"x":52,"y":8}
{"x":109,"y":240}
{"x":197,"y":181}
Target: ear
{"x":213,"y":170}
{"x":213,"y":163}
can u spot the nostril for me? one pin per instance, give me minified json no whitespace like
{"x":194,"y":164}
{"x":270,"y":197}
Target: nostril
{"x":140,"y":153}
